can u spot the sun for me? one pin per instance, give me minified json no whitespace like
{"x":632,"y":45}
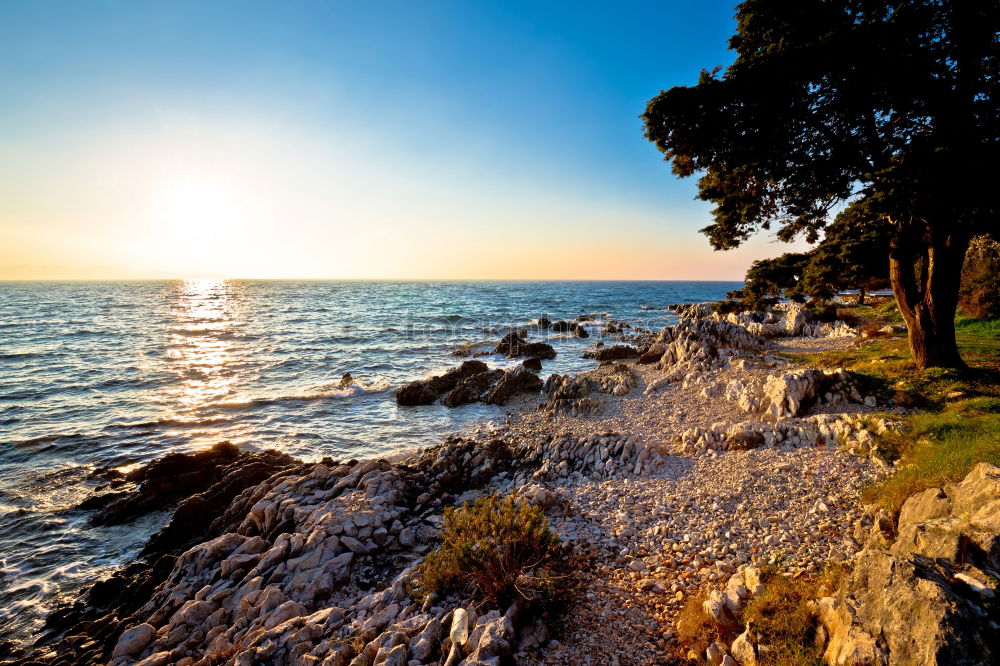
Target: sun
{"x":195,"y":218}
{"x":199,"y":208}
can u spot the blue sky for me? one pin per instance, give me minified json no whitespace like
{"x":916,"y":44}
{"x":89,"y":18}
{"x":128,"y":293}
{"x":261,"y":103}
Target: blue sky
{"x":376,"y":139}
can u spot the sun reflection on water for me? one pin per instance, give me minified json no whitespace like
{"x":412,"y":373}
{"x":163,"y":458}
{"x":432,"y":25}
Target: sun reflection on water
{"x":201,"y":342}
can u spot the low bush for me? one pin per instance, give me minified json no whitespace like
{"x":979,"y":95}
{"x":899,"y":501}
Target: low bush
{"x":500,"y":550}
{"x":728,"y":306}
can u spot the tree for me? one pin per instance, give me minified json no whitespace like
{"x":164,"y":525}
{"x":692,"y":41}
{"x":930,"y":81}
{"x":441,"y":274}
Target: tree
{"x":768,"y":279}
{"x":887,"y":106}
{"x":851,"y":256}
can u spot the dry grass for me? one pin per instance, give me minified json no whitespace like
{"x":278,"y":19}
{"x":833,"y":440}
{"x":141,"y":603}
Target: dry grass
{"x":781,"y":617}
{"x":695,"y":630}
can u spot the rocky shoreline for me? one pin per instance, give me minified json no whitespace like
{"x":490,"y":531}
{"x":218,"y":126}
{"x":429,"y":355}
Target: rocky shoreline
{"x":689,"y":459}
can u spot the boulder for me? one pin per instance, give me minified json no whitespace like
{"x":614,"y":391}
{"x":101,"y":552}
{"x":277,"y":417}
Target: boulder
{"x":133,"y":641}
{"x":512,"y":382}
{"x":611,"y":353}
{"x":472,"y":389}
{"x":570,"y":327}
{"x":494,"y":641}
{"x":426,"y":391}
{"x":917,"y":601}
{"x":415,"y":393}
{"x":744,"y":648}
{"x":513,"y":345}
{"x":909,"y":603}
{"x":941,"y":538}
{"x":745,"y":439}
{"x":533,"y":364}
{"x":930,"y":504}
{"x":980,"y":488}
{"x":652,"y":354}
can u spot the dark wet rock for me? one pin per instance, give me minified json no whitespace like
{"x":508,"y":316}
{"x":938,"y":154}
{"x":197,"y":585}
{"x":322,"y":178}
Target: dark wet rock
{"x":611,"y":353}
{"x":195,"y":515}
{"x":206,"y":484}
{"x":544,"y":322}
{"x":177,"y":476}
{"x":533,"y":364}
{"x":426,"y":391}
{"x":472,"y":382}
{"x":346,"y":380}
{"x":513,"y":382}
{"x":415,"y":393}
{"x":100,"y":500}
{"x":472,"y":389}
{"x":570,"y":327}
{"x":539,"y":350}
{"x":513,"y":345}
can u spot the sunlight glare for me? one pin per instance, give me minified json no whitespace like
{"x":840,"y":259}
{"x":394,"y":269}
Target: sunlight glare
{"x":195,"y":217}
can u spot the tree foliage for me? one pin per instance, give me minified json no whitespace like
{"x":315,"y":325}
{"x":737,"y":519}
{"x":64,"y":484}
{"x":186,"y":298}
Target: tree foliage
{"x":849,"y":257}
{"x":769,"y":279}
{"x":889,"y":106}
{"x":979,"y":295}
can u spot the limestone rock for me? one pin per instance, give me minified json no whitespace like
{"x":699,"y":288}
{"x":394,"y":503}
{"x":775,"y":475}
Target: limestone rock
{"x":134,"y":641}
{"x":931,"y":503}
{"x":913,"y":608}
{"x":744,"y":649}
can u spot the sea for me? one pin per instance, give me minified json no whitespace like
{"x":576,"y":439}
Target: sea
{"x":115,"y":374}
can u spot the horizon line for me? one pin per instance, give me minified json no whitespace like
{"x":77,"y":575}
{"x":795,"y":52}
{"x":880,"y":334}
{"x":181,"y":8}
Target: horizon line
{"x":360,"y":279}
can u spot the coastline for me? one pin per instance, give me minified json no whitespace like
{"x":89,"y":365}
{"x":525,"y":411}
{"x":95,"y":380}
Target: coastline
{"x":693,"y":471}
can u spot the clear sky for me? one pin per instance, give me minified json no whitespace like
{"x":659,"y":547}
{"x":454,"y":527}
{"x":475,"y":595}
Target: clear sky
{"x":350,"y":140}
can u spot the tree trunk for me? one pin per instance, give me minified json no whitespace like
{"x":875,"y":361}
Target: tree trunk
{"x":928,"y":301}
{"x":861,"y":295}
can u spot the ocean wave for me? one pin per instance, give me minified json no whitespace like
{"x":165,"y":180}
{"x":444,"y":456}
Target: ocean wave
{"x":20,"y":354}
{"x":323,"y":392}
{"x":194,"y":332}
{"x":48,"y":439}
{"x":168,"y":423}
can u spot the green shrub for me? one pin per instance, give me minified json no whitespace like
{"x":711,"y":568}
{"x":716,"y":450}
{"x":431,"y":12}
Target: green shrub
{"x":979,"y":294}
{"x":498,"y":549}
{"x":728,"y":306}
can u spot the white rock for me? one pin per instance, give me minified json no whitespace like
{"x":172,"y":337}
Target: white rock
{"x":133,"y":641}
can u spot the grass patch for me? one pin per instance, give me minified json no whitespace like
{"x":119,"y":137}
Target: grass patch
{"x":781,"y":616}
{"x":884,"y":368}
{"x":960,"y":426}
{"x":695,"y":630}
{"x":987,"y":328}
{"x":939,"y":448}
{"x":500,"y":550}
